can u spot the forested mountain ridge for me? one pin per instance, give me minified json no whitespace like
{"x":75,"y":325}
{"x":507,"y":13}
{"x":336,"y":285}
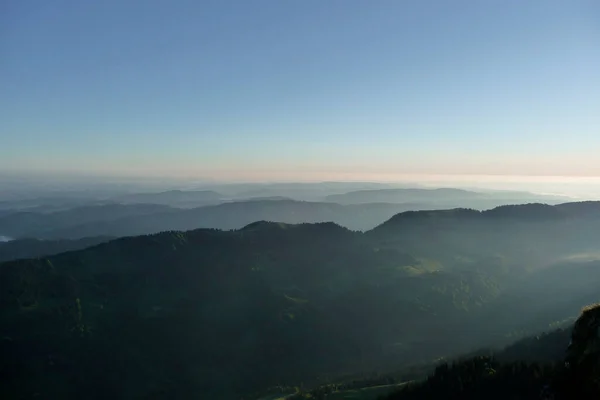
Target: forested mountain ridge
{"x":543,"y":367}
{"x":30,"y":248}
{"x":30,"y":224}
{"x":139,"y":219}
{"x":217,"y":314}
{"x":561,"y":364}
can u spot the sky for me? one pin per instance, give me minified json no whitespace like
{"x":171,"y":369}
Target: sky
{"x":300,"y":90}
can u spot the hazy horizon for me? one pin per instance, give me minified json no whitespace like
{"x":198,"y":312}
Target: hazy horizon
{"x":577,"y":188}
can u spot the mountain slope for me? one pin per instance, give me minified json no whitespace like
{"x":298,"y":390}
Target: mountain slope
{"x":31,"y":248}
{"x":298,"y":300}
{"x":547,"y":367}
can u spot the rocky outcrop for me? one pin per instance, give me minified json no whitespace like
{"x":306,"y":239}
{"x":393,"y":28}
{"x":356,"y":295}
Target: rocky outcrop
{"x":584,"y":349}
{"x":583,"y":353}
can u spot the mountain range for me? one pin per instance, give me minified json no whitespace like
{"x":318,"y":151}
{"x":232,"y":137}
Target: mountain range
{"x":221,"y":314}
{"x":145,"y":213}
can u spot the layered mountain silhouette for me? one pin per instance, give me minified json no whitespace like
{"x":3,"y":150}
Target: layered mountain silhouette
{"x":442,"y":197}
{"x":220,"y":314}
{"x":130,"y":220}
{"x":173,"y":198}
{"x":137,"y":219}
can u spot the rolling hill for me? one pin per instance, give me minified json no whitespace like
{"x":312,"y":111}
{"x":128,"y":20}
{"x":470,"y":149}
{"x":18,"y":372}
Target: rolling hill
{"x":138,"y":219}
{"x":173,"y":198}
{"x":129,"y":220}
{"x":442,"y":197}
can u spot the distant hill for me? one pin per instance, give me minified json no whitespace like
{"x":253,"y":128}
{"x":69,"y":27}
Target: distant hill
{"x":28,"y":224}
{"x":442,"y":197}
{"x":533,"y":211}
{"x":32,"y":248}
{"x":402,"y":195}
{"x":298,"y":191}
{"x":536,"y":234}
{"x":47,"y":204}
{"x":127,"y":220}
{"x":137,"y":219}
{"x":173,"y":198}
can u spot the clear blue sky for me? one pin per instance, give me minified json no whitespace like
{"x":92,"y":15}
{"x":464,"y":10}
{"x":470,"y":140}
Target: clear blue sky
{"x":294,"y":89}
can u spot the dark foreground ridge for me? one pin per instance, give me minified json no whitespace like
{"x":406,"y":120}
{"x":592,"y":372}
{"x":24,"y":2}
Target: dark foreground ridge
{"x":562,"y":364}
{"x":573,"y":376}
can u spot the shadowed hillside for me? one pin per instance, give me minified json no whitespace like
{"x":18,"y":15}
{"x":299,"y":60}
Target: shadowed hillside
{"x":30,"y":248}
{"x":547,"y":366}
